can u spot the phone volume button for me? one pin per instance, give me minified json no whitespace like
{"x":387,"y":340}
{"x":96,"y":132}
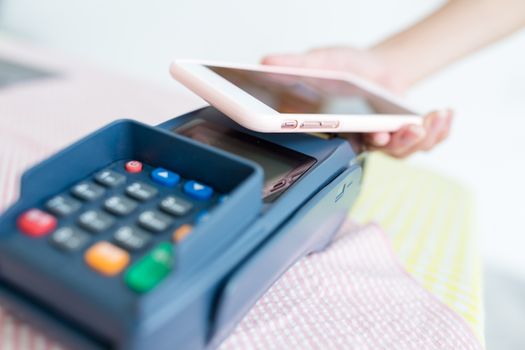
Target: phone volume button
{"x":311,"y":125}
{"x":289,"y":124}
{"x":330,"y":124}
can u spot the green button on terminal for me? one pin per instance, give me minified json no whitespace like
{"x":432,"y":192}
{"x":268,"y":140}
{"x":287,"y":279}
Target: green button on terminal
{"x":149,"y":271}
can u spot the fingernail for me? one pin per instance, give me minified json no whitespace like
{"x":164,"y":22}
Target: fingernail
{"x":285,"y":59}
{"x":450,"y":115}
{"x":273,"y":59}
{"x":381,"y":139}
{"x":450,"y":118}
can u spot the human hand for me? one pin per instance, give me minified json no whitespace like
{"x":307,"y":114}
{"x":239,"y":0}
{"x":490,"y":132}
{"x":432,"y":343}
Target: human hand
{"x":370,"y":66}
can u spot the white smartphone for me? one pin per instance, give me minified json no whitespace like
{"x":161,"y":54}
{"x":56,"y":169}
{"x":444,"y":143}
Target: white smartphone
{"x":284,"y":99}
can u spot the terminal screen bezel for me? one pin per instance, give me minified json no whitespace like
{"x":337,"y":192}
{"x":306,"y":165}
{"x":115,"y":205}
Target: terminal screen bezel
{"x":292,"y":164}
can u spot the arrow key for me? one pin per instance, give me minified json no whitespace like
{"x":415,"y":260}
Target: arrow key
{"x":165,"y":177}
{"x":197,"y":190}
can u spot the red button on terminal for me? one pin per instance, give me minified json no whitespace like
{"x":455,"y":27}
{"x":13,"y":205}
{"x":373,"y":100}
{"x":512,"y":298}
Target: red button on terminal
{"x":36,"y":223}
{"x":133,"y":166}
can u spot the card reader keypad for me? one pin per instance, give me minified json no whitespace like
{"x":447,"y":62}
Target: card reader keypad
{"x":125,"y":220}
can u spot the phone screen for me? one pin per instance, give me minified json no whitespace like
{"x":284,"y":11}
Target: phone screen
{"x":288,"y":93}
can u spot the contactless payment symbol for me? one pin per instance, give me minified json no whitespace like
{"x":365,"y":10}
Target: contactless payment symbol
{"x":342,"y":192}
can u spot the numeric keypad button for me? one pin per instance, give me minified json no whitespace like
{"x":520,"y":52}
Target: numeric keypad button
{"x":87,"y":191}
{"x":175,"y":206}
{"x":141,"y":191}
{"x":62,"y":205}
{"x":154,"y":221}
{"x":131,"y":238}
{"x":120,"y":205}
{"x":95,"y":221}
{"x":69,"y":239}
{"x":110,"y":178}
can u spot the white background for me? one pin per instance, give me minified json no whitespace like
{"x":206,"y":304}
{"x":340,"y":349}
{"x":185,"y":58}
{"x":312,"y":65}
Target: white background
{"x":484,"y":152}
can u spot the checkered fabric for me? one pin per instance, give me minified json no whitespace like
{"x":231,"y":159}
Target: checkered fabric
{"x":355,"y":295}
{"x":429,"y":219}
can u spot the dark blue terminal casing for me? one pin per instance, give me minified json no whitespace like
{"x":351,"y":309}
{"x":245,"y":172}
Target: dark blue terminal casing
{"x":222,"y":267}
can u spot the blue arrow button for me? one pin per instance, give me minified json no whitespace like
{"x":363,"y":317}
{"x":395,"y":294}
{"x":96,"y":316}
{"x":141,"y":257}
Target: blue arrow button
{"x":197,"y":190}
{"x":165,"y":177}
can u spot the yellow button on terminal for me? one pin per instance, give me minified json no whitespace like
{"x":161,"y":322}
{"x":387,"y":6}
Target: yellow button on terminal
{"x":106,"y":258}
{"x":180,"y":233}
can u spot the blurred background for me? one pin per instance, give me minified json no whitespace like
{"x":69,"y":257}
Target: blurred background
{"x":484,"y":152}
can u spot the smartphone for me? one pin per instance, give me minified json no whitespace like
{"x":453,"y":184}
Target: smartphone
{"x":284,"y":99}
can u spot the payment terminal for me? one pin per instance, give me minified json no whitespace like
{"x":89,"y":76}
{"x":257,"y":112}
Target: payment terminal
{"x":141,"y":237}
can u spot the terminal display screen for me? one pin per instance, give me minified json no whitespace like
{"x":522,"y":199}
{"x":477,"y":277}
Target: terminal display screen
{"x":282,"y":166}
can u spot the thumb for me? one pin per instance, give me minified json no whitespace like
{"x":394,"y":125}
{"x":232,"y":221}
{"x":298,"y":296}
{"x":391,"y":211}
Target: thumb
{"x":284,"y":60}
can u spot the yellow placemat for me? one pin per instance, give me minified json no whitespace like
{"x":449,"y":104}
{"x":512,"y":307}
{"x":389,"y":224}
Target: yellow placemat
{"x":429,"y":220}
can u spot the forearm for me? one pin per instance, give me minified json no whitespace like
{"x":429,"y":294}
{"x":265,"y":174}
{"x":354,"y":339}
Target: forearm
{"x":457,"y":29}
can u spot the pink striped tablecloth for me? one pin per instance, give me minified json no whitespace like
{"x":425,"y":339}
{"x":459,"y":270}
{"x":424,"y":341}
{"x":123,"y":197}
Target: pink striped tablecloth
{"x":354,"y":295}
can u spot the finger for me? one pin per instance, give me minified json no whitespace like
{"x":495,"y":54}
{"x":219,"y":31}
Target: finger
{"x":446,"y":129}
{"x":377,"y":139}
{"x":404,"y":141}
{"x":318,"y":60}
{"x":355,"y":141}
{"x":434,"y":124}
{"x":284,"y":60}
